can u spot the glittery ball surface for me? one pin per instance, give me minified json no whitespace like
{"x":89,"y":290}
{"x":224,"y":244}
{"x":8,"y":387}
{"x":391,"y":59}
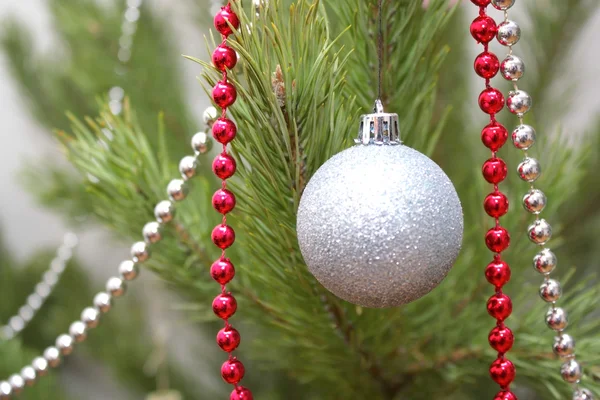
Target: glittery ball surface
{"x":380,"y":226}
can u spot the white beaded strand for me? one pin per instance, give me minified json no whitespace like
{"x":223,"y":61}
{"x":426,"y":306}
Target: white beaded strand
{"x":42,"y":290}
{"x":540,"y":231}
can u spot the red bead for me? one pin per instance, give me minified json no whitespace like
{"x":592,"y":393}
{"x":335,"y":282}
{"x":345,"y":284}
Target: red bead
{"x":505,"y":395}
{"x":487,"y":65}
{"x":223,"y":201}
{"x":483,"y":29}
{"x":497,"y":239}
{"x":224,"y":57}
{"x":496,"y":204}
{"x":224,"y":94}
{"x":241,"y":393}
{"x":224,"y":166}
{"x":497,"y":273}
{"x":228,"y":339}
{"x":502,"y":372}
{"x":494,"y":170}
{"x":224,"y":130}
{"x":501,"y":339}
{"x":225,"y":15}
{"x":491,"y":101}
{"x":224,"y":306}
{"x":222,"y":271}
{"x":223,"y":236}
{"x":232,"y":371}
{"x":494,"y":136}
{"x":499,"y":306}
{"x":481,"y":3}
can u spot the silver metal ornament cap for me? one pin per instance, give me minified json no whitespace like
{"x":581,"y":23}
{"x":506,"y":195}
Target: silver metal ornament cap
{"x":378,"y":128}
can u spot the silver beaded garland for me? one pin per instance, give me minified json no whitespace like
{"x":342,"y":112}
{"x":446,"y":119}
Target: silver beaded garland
{"x":529,"y":170}
{"x":519,"y":102}
{"x":164,"y":211}
{"x":509,"y":33}
{"x":540,"y":232}
{"x":556,"y":319}
{"x":571,"y":371}
{"x":512,"y":68}
{"x":550,"y":291}
{"x":564,"y":345}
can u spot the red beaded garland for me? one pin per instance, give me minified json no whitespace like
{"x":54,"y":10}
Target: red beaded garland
{"x":224,"y":130}
{"x":223,"y":17}
{"x":497,"y":273}
{"x":223,"y":236}
{"x":505,"y":395}
{"x":496,"y":204}
{"x":483,"y":29}
{"x":494,"y":136}
{"x":228,"y":339}
{"x":222,"y":271}
{"x":501,"y":339}
{"x":224,"y":94}
{"x":487,"y":65}
{"x":494,"y":170}
{"x":223,"y":201}
{"x":499,"y":306}
{"x":232,"y":371}
{"x":224,"y":166}
{"x":502,"y":372}
{"x":491,"y":101}
{"x":224,"y":57}
{"x":224,"y":305}
{"x":241,"y":393}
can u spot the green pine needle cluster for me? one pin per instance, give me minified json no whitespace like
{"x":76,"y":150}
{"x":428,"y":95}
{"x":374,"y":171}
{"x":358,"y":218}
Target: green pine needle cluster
{"x":307,"y":70}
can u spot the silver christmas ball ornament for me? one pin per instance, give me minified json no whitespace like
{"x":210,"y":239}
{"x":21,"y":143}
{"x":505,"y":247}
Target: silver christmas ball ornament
{"x":40,"y":365}
{"x":540,"y":232}
{"x":529,"y":169}
{"x":115,"y":287}
{"x":564,"y":345}
{"x":550,"y":291}
{"x":503,"y":4}
{"x":201,"y":143}
{"x":583,"y":394}
{"x":28,"y":374}
{"x":152,"y":232}
{"x":90,"y":316}
{"x":78,"y":331}
{"x":534,"y":201}
{"x":17,"y":383}
{"x":571,"y":371}
{"x":6,"y":390}
{"x":52,"y":355}
{"x":187,"y":167}
{"x":103,"y":302}
{"x":545,"y":261}
{"x":128,"y":270}
{"x":556,"y":319}
{"x":177,"y":190}
{"x":512,"y":68}
{"x":519,"y":102}
{"x":140,"y":252}
{"x":509,"y":33}
{"x":164,"y":211}
{"x":380,"y":224}
{"x":64,"y":344}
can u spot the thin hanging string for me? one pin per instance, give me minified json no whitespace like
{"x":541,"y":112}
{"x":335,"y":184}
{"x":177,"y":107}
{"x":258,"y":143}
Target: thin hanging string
{"x":378,"y":103}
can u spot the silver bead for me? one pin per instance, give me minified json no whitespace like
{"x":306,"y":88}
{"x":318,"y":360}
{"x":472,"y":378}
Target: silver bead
{"x":52,"y":355}
{"x":564,"y":345}
{"x":140,"y":252}
{"x":152,"y":232}
{"x":128,"y":270}
{"x":78,"y":331}
{"x":102,"y":302}
{"x":43,"y":289}
{"x":503,"y":4}
{"x":556,"y":319}
{"x":5,"y":390}
{"x":519,"y":102}
{"x":115,"y":287}
{"x":26,"y":313}
{"x":187,"y":167}
{"x":201,"y":143}
{"x":16,"y":323}
{"x":583,"y":394}
{"x":17,"y":383}
{"x":164,"y":211}
{"x":40,"y":364}
{"x":177,"y":190}
{"x":34,"y":301}
{"x":550,"y":291}
{"x":571,"y":371}
{"x":534,"y":201}
{"x":529,"y":169}
{"x":540,"y":232}
{"x":512,"y":68}
{"x":28,"y":374}
{"x":545,"y":261}
{"x":210,"y":115}
{"x":509,"y":33}
{"x":90,"y":317}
